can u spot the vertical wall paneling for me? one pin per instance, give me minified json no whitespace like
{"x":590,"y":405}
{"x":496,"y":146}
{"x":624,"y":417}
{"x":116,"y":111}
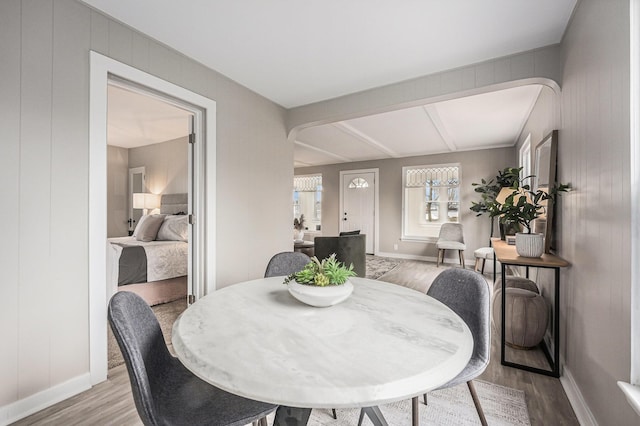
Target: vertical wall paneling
{"x":120,"y":42}
{"x":69,"y":189}
{"x":10,"y":52}
{"x":99,"y":33}
{"x":594,"y":150}
{"x":35,"y":197}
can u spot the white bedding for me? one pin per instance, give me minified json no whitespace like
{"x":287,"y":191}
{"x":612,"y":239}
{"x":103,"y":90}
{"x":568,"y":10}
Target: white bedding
{"x":165,"y":259}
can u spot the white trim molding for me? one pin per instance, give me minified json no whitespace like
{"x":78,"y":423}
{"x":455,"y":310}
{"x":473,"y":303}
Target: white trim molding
{"x":579,"y":405}
{"x":41,"y":400}
{"x":104,"y":70}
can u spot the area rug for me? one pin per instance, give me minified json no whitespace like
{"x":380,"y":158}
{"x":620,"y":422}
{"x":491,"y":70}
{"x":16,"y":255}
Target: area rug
{"x":378,"y":266}
{"x":167,"y":313}
{"x":502,"y":406}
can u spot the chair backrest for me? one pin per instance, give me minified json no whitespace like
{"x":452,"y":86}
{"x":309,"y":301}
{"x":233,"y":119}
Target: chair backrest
{"x":451,"y":232}
{"x":286,"y":263}
{"x":349,"y":249}
{"x":143,"y":348}
{"x":467,"y":294}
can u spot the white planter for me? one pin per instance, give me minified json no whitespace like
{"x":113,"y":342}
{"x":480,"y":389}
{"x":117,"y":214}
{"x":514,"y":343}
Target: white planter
{"x":320,"y":297}
{"x":529,"y":245}
{"x":298,"y":235}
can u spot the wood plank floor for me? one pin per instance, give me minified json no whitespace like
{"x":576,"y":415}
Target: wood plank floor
{"x":111,"y":403}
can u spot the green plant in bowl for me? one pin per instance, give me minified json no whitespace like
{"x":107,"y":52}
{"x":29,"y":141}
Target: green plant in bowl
{"x":323,"y":273}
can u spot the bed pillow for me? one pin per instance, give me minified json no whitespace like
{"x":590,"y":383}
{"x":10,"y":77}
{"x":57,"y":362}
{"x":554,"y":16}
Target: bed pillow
{"x":148,"y":226}
{"x":174,"y":228}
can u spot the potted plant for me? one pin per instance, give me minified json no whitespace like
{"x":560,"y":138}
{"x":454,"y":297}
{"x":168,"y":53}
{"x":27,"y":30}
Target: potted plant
{"x":321,"y":283}
{"x":298,"y":228}
{"x":523,"y":206}
{"x":489,"y":191}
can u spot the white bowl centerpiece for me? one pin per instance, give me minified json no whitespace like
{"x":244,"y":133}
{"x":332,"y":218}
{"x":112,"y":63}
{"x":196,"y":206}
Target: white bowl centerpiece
{"x":321,"y":283}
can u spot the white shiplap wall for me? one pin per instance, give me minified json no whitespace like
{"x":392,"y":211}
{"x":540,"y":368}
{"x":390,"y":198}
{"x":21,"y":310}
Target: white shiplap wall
{"x":594,"y":219}
{"x":44,"y":170}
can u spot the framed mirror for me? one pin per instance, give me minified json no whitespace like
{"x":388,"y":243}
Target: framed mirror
{"x":545,"y":172}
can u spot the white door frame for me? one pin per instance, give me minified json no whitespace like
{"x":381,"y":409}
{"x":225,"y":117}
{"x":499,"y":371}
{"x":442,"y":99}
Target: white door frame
{"x":102,"y":69}
{"x":376,"y":219}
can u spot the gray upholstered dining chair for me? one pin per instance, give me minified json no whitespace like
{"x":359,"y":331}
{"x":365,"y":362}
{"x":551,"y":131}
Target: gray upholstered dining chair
{"x":286,"y":263}
{"x":451,"y":237}
{"x":467,"y":294}
{"x":164,"y":391}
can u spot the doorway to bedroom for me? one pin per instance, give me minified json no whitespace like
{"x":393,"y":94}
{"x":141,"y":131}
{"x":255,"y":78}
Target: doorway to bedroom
{"x":149,"y":181}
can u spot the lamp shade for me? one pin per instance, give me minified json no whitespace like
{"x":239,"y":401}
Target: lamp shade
{"x":505,"y":192}
{"x":143,"y":200}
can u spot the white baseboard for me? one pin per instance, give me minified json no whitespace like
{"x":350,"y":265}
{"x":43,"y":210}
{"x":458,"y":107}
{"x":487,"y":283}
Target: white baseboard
{"x":579,"y":405}
{"x":41,"y":400}
{"x":423,"y":258}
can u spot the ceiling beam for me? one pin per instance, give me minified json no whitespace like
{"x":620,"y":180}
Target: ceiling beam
{"x":322,"y":151}
{"x":350,"y":130}
{"x":432,"y":114}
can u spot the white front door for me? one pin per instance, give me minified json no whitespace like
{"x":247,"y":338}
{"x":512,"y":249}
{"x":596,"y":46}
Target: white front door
{"x":358,"y":205}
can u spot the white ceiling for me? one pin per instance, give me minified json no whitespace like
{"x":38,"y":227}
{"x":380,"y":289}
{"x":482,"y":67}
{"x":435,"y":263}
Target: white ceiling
{"x":298,"y":52}
{"x":136,"y":120}
{"x":489,"y":120}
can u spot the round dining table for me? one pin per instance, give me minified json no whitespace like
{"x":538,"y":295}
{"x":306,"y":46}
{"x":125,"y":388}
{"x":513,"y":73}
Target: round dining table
{"x":385,"y":343}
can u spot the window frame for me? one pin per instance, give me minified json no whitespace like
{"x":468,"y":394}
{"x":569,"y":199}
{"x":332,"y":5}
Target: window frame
{"x":405,"y":235}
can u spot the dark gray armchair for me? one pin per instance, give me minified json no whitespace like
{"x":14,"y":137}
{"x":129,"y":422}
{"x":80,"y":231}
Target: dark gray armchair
{"x":164,"y":391}
{"x":348,"y":249}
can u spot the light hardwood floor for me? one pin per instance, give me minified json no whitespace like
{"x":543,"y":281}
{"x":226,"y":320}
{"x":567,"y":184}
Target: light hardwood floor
{"x":111,"y":403}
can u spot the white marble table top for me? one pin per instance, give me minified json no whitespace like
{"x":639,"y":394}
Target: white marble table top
{"x":385,"y":343}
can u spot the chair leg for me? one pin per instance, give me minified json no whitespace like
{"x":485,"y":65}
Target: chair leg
{"x":415,"y":412}
{"x":425,"y":399}
{"x":335,"y":416}
{"x":461,"y":254}
{"x":476,"y":402}
{"x":483,"y":262}
{"x":361,"y":418}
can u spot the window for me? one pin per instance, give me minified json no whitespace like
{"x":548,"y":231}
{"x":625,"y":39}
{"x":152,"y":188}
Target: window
{"x":307,"y":200}
{"x":431,"y":197}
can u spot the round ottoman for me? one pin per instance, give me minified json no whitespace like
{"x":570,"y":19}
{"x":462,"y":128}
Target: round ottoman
{"x":516,"y":282}
{"x":527,"y":315}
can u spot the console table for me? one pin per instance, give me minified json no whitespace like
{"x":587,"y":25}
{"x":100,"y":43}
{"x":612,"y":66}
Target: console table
{"x":507,"y":255}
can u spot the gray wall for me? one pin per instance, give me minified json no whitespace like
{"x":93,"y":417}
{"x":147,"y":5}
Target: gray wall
{"x":44,"y":167}
{"x":594,"y":152}
{"x":166,"y":165}
{"x":117,"y":191}
{"x":475,"y":166}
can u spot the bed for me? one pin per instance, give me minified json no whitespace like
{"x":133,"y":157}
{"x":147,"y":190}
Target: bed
{"x":153,"y":261}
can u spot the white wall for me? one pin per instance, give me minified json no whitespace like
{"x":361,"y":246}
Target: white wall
{"x":117,"y":191}
{"x":594,"y":154}
{"x":44,"y":165}
{"x":166,"y":165}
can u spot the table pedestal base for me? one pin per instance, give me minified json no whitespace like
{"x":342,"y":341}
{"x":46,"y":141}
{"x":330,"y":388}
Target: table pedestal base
{"x":292,"y":416}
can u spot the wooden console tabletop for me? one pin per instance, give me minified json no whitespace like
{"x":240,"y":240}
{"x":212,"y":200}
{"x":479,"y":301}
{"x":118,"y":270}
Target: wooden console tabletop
{"x":506,"y":253}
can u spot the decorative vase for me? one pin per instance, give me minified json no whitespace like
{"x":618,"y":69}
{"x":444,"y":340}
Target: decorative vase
{"x":298,"y":235}
{"x":529,"y":245}
{"x":318,"y":296}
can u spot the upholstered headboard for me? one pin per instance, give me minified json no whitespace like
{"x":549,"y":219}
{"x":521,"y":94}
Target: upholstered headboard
{"x":174,"y":204}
